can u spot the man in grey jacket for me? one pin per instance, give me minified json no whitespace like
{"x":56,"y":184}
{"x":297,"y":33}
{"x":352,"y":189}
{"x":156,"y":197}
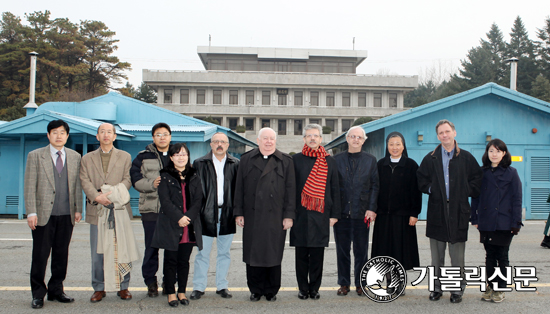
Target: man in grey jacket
{"x":146,"y":179}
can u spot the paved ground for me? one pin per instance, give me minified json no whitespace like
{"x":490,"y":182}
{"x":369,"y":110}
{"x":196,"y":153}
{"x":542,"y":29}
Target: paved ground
{"x":15,"y":295}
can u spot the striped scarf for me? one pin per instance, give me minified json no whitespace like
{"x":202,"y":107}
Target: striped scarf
{"x":313,"y":194}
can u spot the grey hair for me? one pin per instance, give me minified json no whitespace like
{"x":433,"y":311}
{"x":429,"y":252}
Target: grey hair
{"x":357,"y":127}
{"x":263,"y":129}
{"x":312,"y":126}
{"x":99,"y":127}
{"x":444,"y":121}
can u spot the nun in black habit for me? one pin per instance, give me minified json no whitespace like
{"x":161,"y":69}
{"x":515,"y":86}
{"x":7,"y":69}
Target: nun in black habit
{"x":399,"y":203}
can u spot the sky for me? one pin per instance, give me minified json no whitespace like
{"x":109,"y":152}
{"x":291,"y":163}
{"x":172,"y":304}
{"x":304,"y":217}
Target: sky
{"x":402,"y":37}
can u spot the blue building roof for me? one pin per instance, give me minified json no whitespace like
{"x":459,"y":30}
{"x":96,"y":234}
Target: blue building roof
{"x":489,"y":88}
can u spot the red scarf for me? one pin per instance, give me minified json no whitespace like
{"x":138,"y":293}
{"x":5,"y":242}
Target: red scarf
{"x":313,"y":194}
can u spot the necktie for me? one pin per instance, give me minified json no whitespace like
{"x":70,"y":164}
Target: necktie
{"x":59,"y":162}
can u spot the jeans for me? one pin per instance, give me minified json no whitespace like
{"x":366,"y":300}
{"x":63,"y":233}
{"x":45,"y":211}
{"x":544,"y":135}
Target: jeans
{"x":345,"y":231}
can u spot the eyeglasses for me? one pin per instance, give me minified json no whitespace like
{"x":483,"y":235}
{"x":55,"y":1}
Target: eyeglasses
{"x":220,"y":142}
{"x":312,"y":136}
{"x":356,"y":137}
{"x":180,"y":155}
{"x":162,"y":135}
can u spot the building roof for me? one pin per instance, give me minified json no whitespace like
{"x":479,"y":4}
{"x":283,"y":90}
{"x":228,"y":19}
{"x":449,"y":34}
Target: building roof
{"x":282,"y":53}
{"x":489,"y":88}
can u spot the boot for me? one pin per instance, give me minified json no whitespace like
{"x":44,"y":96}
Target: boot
{"x":545,"y":242}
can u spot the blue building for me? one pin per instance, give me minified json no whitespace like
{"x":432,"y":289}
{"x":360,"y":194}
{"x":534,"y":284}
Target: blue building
{"x":132,"y":118}
{"x":480,"y":114}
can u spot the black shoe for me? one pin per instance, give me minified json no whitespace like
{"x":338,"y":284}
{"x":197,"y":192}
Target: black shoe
{"x":271,"y":297}
{"x":545,"y":242}
{"x":224,"y":293}
{"x":435,"y":296}
{"x":196,"y":294}
{"x":37,"y":303}
{"x":302,"y":295}
{"x":62,"y":297}
{"x":456,"y":298}
{"x":254,"y":297}
{"x":173,"y":303}
{"x":314,"y":295}
{"x":153,"y":290}
{"x":182,"y":301}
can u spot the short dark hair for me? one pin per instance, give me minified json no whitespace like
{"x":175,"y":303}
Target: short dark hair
{"x":57,"y":123}
{"x":174,"y":149}
{"x":160,"y":125}
{"x":501,"y":146}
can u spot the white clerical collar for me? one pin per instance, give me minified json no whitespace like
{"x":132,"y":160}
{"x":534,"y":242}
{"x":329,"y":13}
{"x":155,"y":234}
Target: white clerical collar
{"x":395,"y":159}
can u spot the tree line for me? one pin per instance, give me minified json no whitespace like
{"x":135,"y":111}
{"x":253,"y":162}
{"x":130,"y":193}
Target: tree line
{"x":75,"y":60}
{"x":487,"y":62}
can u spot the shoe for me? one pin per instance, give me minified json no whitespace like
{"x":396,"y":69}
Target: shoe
{"x":486,"y":296}
{"x":271,"y":297}
{"x":224,"y":293}
{"x":498,"y":296}
{"x":37,"y":303}
{"x":62,"y":297}
{"x":314,"y":295}
{"x":343,"y":290}
{"x":303,"y":295}
{"x":359,"y":291}
{"x":124,"y":294}
{"x":183,"y":301}
{"x":435,"y":296}
{"x":254,"y":297}
{"x":173,"y":303}
{"x":456,"y":298}
{"x":545,"y":242}
{"x":196,"y":294}
{"x":97,"y":296}
{"x":153,"y":290}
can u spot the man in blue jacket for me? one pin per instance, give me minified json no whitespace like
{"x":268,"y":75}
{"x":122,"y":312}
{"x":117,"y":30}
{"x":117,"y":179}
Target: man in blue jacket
{"x":359,"y":194}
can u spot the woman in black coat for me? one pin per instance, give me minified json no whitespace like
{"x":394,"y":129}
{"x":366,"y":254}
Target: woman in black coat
{"x":399,"y":203}
{"x":497,"y":213}
{"x":178,"y":228}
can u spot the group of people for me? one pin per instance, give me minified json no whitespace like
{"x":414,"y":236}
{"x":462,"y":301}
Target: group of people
{"x":184,"y":205}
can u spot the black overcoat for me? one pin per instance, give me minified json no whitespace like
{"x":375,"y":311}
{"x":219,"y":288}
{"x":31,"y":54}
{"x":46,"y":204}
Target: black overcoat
{"x":264,"y":198}
{"x":465,"y":177}
{"x":209,"y":212}
{"x":312,"y":228}
{"x":399,"y":194}
{"x":167,"y":232}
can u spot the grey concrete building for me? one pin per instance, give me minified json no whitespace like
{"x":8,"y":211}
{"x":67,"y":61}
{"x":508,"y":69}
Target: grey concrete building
{"x":281,"y":88}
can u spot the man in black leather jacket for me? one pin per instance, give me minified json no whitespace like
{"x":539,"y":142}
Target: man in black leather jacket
{"x":359,"y":186}
{"x":218,"y":172}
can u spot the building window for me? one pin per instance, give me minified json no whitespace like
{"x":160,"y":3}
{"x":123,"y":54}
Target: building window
{"x":234,"y":65}
{"x":282,"y":66}
{"x":298,"y":67}
{"x":282,"y":127}
{"x":250,"y":65}
{"x":377,"y":99}
{"x":217,"y":65}
{"x":282,"y":100}
{"x":266,"y":123}
{"x":346,"y":99}
{"x":331,"y":123}
{"x":167,"y":96}
{"x":362,"y":100}
{"x":330,"y":99}
{"x":184,"y":96}
{"x":393,"y":100}
{"x":249,"y":123}
{"x":298,"y":99}
{"x":217,"y":100}
{"x":330,"y":67}
{"x":233,"y":123}
{"x":266,"y":66}
{"x":250,"y":97}
{"x":266,"y":97}
{"x":201,"y":96}
{"x":298,"y":127}
{"x":313,"y":66}
{"x":233,"y":97}
{"x":314,"y":121}
{"x":346,"y":124}
{"x":314,"y":99}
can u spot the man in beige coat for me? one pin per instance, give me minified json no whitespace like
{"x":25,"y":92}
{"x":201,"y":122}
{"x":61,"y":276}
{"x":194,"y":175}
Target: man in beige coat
{"x":53,"y":202}
{"x":106,"y":165}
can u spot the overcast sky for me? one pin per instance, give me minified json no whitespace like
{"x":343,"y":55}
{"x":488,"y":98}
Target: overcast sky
{"x":402,"y":37}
